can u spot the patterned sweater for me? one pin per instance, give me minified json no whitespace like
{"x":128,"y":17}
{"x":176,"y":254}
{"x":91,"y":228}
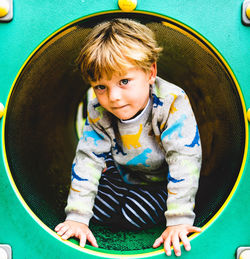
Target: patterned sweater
{"x":161,"y":144}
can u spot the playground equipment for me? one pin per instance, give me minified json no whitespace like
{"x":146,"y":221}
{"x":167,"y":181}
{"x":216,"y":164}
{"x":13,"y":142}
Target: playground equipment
{"x":206,"y":52}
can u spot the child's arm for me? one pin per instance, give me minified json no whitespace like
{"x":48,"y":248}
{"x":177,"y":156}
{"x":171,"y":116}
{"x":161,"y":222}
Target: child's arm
{"x":173,"y":235}
{"x":181,"y":142}
{"x":79,"y":230}
{"x":89,"y":162}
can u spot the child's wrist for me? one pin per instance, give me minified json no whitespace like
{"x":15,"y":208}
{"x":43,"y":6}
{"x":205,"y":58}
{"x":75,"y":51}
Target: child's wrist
{"x":179,"y":220}
{"x":78,"y":218}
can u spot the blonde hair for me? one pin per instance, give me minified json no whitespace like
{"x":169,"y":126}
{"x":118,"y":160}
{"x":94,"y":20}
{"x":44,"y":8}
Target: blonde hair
{"x":116,"y":45}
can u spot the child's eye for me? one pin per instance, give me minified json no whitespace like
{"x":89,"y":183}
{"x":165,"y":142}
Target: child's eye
{"x":99,"y":87}
{"x":124,"y":81}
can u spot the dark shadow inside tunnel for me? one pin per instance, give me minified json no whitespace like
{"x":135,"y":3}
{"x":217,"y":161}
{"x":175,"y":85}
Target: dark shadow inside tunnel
{"x":40,"y":132}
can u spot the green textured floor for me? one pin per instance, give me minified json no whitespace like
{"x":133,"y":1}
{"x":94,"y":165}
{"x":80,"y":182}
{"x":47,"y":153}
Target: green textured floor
{"x":124,"y":240}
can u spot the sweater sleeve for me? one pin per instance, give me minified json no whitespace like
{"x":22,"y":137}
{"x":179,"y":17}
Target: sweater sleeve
{"x":181,"y":142}
{"x":87,"y":167}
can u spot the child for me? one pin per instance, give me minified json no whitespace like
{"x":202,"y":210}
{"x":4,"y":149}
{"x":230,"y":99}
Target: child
{"x":139,"y":158}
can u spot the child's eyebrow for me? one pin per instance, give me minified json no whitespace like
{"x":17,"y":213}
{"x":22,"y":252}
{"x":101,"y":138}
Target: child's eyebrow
{"x":95,"y":85}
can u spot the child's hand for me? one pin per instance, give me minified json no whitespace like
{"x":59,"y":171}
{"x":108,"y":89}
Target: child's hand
{"x":173,"y":235}
{"x":81,"y":231}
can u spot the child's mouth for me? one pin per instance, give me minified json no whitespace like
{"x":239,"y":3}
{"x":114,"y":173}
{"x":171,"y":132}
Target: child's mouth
{"x":119,"y":107}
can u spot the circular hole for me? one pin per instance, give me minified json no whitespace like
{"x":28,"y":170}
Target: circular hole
{"x":41,"y":136}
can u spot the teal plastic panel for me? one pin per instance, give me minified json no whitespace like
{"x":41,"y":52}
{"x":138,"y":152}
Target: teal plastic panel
{"x":34,"y":21}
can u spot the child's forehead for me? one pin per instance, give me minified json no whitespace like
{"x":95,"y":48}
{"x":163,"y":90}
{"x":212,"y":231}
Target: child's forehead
{"x":117,"y":75}
{"x":105,"y":77}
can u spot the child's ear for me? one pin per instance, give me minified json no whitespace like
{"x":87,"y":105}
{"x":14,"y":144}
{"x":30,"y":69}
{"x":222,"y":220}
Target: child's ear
{"x":153,"y":73}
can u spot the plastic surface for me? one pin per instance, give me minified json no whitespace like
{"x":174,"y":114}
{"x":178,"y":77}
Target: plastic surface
{"x":219,"y":239}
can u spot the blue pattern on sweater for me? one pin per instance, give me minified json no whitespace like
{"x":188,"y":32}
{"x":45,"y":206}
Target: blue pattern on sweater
{"x":140,"y":159}
{"x":176,"y":127}
{"x":92,"y":134}
{"x":195,"y":140}
{"x":75,"y":176}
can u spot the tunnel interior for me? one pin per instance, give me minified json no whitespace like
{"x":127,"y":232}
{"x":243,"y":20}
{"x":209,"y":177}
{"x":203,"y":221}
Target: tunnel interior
{"x":40,"y":128}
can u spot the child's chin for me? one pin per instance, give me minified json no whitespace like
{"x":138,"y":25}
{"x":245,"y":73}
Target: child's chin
{"x":124,"y":115}
{"x":124,"y":118}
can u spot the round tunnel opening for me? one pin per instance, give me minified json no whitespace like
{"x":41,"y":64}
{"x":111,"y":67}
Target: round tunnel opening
{"x":41,"y":136}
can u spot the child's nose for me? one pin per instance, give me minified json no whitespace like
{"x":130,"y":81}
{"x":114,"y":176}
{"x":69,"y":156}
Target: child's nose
{"x":114,"y":94}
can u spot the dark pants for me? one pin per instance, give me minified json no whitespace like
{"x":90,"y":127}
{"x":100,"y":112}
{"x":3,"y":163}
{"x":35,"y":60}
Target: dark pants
{"x":128,"y":206}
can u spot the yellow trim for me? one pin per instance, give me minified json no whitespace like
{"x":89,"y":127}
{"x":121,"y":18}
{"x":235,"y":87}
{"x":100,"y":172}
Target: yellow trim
{"x":219,"y":56}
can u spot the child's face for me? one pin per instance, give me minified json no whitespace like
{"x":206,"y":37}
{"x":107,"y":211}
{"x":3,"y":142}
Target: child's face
{"x":127,"y":94}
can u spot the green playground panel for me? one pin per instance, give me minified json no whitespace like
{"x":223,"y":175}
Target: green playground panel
{"x":33,"y":184}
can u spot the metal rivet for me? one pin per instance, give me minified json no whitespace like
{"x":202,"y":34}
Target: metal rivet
{"x":248,"y":11}
{"x":245,"y":255}
{"x":4,"y":9}
{"x":3,"y":254}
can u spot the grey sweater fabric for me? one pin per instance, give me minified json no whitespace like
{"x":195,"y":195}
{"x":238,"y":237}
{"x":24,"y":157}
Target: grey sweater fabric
{"x":161,"y":144}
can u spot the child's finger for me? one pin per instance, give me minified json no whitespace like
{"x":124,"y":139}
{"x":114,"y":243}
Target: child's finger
{"x":83,"y":239}
{"x":63,"y":230}
{"x":194,"y":229}
{"x":176,"y":245}
{"x":158,"y":242}
{"x":92,"y":239}
{"x":185,"y":241}
{"x":167,"y":247}
{"x":67,"y":234}
{"x":59,"y":226}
